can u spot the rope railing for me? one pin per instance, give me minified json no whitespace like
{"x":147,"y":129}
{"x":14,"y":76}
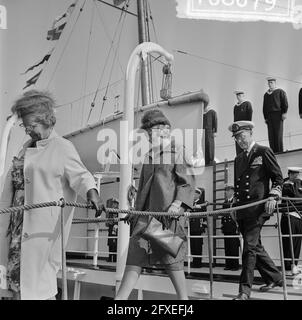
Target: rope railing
{"x":225,"y":211}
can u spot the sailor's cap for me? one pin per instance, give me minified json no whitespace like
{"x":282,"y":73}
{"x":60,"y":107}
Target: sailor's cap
{"x":240,"y":126}
{"x":271,"y":79}
{"x":294,"y":169}
{"x":238,"y":92}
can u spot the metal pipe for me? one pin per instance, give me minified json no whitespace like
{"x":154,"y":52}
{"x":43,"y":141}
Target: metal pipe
{"x":64,"y":277}
{"x":127,"y":126}
{"x":290,"y":237}
{"x":210,"y":253}
{"x":281,"y":254}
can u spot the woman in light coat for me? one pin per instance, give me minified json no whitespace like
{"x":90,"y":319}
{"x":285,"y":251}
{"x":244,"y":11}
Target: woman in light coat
{"x":47,"y":168}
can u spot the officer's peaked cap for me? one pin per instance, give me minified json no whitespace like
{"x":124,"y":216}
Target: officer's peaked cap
{"x":240,"y":126}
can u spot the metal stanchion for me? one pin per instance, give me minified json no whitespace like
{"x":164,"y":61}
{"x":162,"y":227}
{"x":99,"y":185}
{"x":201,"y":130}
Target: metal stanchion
{"x":96,"y":245}
{"x":64,"y":277}
{"x":189,"y":247}
{"x":281,"y":255}
{"x":290,"y":237}
{"x":210,"y":254}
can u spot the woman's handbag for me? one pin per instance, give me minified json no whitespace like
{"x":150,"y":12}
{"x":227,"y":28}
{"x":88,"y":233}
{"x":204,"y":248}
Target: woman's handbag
{"x":149,"y":228}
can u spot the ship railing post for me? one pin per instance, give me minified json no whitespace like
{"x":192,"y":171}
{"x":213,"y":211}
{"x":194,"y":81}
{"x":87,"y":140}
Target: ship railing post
{"x":290,"y":237}
{"x":189,"y":247}
{"x":210,"y":254}
{"x":281,"y":254}
{"x":96,"y":245}
{"x":64,"y":274}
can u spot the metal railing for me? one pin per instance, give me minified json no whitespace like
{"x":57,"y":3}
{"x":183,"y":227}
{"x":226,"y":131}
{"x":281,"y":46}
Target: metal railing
{"x":61,"y":203}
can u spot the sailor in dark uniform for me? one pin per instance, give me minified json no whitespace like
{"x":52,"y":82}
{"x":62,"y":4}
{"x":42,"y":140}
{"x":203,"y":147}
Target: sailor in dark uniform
{"x":197,"y":228}
{"x":242,"y":111}
{"x":254,"y":169}
{"x":210,"y":127}
{"x":275,"y":107}
{"x":291,"y":220}
{"x":229,"y":228}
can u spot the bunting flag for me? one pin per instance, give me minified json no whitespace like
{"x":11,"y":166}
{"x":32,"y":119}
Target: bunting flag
{"x":55,"y":32}
{"x":33,"y":79}
{"x":44,"y":59}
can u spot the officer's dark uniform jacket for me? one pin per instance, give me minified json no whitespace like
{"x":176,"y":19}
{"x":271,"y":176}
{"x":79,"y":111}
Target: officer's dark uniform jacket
{"x":228,"y":225}
{"x":252,"y":179}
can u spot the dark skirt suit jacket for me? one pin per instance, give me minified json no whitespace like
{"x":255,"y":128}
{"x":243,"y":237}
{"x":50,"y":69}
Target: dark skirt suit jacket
{"x":159,"y":185}
{"x":252,"y":180}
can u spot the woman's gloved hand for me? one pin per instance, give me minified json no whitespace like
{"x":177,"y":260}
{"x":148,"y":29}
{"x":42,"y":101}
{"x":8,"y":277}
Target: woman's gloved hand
{"x":96,"y":201}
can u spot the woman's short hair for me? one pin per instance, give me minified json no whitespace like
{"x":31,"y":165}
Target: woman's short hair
{"x":37,"y":103}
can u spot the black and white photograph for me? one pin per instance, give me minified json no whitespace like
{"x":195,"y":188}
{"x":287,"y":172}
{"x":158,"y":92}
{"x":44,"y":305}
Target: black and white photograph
{"x":151,"y":151}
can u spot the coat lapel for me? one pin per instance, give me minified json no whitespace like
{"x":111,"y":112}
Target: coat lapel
{"x":242,"y":164}
{"x":253,"y":154}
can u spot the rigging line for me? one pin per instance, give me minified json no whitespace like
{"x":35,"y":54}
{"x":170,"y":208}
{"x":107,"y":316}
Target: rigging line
{"x":65,"y":46}
{"x":149,"y":58}
{"x":87,"y":95}
{"x":114,"y":58}
{"x":155,"y":59}
{"x":122,"y":9}
{"x":106,"y":31}
{"x":87,"y":62}
{"x":153,"y":25}
{"x":105,"y":64}
{"x":232,"y":66}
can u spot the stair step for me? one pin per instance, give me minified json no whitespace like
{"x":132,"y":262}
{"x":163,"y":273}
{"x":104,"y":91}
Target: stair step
{"x":219,"y":171}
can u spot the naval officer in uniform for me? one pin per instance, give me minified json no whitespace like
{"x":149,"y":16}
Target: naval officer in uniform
{"x":242,"y":111}
{"x":275,"y":107}
{"x":291,"y":220}
{"x":254,"y":169}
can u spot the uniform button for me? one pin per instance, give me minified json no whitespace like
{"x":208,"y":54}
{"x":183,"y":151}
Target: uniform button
{"x":237,"y":186}
{"x":248,"y":197}
{"x":247,"y":177}
{"x":27,"y":180}
{"x":25,"y":235}
{"x":247,"y":183}
{"x":247,"y":190}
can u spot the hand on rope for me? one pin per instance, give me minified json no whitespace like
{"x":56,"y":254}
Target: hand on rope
{"x":96,"y":202}
{"x":128,"y":218}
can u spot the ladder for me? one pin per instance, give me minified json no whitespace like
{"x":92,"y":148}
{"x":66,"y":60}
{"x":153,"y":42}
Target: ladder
{"x":220,"y":179}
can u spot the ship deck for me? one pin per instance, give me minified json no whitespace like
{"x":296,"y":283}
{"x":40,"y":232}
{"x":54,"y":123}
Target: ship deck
{"x":98,"y":282}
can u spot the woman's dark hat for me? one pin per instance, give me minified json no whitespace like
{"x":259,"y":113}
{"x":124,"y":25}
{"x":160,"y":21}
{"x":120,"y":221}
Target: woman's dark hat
{"x":152,"y":118}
